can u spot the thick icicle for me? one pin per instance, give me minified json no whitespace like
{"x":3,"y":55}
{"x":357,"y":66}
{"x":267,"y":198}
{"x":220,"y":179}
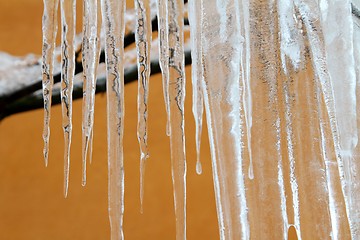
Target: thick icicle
{"x":337,"y":26}
{"x":68,"y":20}
{"x":195,"y":19}
{"x":311,"y":19}
{"x":177,"y":98}
{"x":113,"y":20}
{"x":355,"y":177}
{"x":163,"y":32}
{"x":222,"y":48}
{"x":90,"y":60}
{"x":265,"y":156}
{"x":143,"y":38}
{"x":49,"y":28}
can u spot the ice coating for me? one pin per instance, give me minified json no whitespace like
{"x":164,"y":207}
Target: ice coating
{"x":143,"y":36}
{"x":195,"y":20}
{"x":49,"y":29}
{"x":90,"y":61}
{"x":177,"y":98}
{"x":68,"y":20}
{"x":113,"y":20}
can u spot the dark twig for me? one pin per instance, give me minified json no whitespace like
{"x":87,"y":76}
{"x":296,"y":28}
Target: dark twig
{"x":355,"y":10}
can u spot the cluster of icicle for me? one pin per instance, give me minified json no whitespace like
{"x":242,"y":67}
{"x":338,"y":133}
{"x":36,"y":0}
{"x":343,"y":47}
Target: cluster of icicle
{"x":279,"y":81}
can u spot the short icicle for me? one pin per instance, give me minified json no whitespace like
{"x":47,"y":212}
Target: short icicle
{"x":195,"y":19}
{"x":68,"y":19}
{"x":49,"y":29}
{"x":163,"y":32}
{"x":90,"y":60}
{"x":113,"y":20}
{"x":177,"y":97}
{"x":143,"y":45}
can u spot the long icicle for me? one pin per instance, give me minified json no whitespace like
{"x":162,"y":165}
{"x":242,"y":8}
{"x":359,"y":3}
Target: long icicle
{"x":195,"y":19}
{"x":222,"y":89}
{"x":90,"y":148}
{"x":49,"y":29}
{"x":113,"y":19}
{"x":68,"y":19}
{"x":90,"y":60}
{"x":163,"y":32}
{"x":177,"y":98}
{"x":143,"y":45}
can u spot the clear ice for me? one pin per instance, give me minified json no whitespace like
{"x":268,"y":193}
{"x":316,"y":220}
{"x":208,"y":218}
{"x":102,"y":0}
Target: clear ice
{"x":195,"y":19}
{"x":90,"y":61}
{"x":176,"y":87}
{"x":143,"y":38}
{"x":279,"y":82}
{"x":68,"y":23}
{"x":113,"y":21}
{"x":163,"y":36}
{"x":288,"y":124}
{"x":49,"y":29}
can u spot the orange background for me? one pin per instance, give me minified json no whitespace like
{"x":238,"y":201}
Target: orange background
{"x":32,"y":205}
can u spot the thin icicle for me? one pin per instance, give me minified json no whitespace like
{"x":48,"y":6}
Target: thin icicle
{"x":143,"y":45}
{"x":49,"y":29}
{"x":162,"y":8}
{"x":68,"y":20}
{"x":246,"y":81}
{"x":195,"y":19}
{"x":177,"y":98}
{"x":113,"y":19}
{"x":90,"y":59}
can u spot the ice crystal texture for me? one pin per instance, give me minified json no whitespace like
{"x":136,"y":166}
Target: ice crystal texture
{"x":279,"y":83}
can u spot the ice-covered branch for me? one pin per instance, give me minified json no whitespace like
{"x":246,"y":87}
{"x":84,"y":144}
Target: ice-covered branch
{"x":27,"y":98}
{"x":35,"y":101}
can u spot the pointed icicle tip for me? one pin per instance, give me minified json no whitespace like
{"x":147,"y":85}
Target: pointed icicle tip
{"x":198,"y":168}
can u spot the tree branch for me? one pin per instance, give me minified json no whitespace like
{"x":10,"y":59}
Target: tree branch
{"x":16,"y":101}
{"x":35,"y":100}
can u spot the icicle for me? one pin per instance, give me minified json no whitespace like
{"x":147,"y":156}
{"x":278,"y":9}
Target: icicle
{"x":222,"y":47}
{"x":177,"y":98}
{"x":195,"y":19}
{"x":311,"y":19}
{"x":164,"y":54}
{"x":68,"y":17}
{"x":143,"y":44}
{"x":355,"y":178}
{"x":90,"y":59}
{"x":246,"y":82}
{"x":337,"y":26}
{"x":49,"y":28}
{"x":113,"y":20}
